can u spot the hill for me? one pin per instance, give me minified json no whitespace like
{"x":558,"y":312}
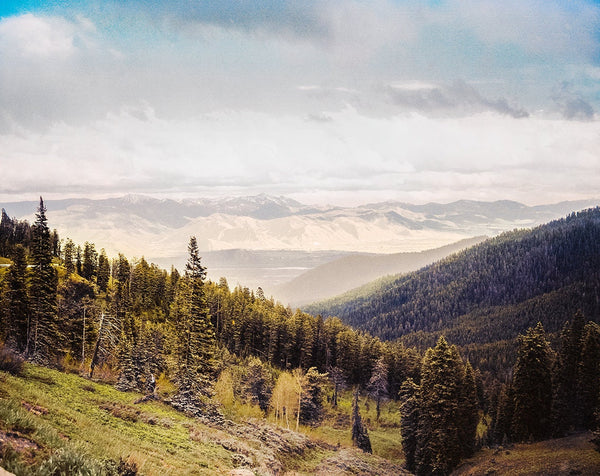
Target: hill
{"x":487,"y":293}
{"x":349,"y":272}
{"x":58,"y":423}
{"x":571,"y":455}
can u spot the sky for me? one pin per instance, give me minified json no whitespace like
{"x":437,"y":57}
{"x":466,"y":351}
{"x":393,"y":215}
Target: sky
{"x":328,"y":101}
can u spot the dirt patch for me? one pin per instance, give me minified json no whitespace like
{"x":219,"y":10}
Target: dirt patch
{"x":132,"y":414}
{"x":35,"y":409}
{"x":18,"y":443}
{"x":353,"y":461}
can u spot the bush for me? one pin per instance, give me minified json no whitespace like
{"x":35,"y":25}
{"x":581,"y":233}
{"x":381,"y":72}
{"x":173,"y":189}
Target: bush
{"x":10,"y":362}
{"x":69,"y":461}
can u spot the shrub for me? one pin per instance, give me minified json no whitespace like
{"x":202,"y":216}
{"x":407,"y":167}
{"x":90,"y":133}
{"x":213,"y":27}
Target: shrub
{"x":10,"y":362}
{"x":70,"y":461}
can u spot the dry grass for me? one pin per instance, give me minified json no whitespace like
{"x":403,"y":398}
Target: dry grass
{"x":571,"y":455}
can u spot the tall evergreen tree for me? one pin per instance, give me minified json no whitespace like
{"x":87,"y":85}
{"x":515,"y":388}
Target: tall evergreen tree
{"x":18,"y":312}
{"x":409,"y":422}
{"x":566,"y":402}
{"x":194,"y":335}
{"x":69,"y":255}
{"x":439,"y":437}
{"x":469,"y":409}
{"x":532,"y":386}
{"x":90,"y":261}
{"x":589,"y":374}
{"x":378,"y":383}
{"x":103,"y":271}
{"x":504,"y":415}
{"x":44,"y":334}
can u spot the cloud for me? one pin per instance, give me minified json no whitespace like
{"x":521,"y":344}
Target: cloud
{"x":36,"y":38}
{"x":458,"y":98}
{"x":486,"y":155}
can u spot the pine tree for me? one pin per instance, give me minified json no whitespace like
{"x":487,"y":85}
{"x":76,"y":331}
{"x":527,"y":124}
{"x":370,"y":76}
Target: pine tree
{"x":69,"y":254}
{"x":360,"y":435}
{"x":336,"y":376}
{"x":469,"y":409}
{"x":258,"y":383}
{"x":439,"y":447}
{"x":103,"y":271}
{"x":18,"y":301}
{"x":311,"y":408}
{"x":43,"y":336}
{"x":194,"y":335}
{"x":409,"y":422}
{"x":90,"y":261}
{"x":566,"y":404}
{"x":532,"y":386}
{"x":504,"y":416}
{"x":378,"y":383}
{"x":588,"y":374}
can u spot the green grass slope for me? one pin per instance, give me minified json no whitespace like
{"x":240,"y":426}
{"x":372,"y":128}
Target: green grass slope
{"x":52,"y":421}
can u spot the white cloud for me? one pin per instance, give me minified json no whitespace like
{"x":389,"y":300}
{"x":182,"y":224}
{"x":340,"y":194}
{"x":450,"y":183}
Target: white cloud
{"x":483,"y":156}
{"x":36,"y":38}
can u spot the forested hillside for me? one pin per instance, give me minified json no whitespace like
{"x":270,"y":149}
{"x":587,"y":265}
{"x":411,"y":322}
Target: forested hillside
{"x":488,"y":293}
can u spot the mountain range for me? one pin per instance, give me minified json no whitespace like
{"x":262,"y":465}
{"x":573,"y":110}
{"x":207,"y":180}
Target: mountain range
{"x":290,"y":237}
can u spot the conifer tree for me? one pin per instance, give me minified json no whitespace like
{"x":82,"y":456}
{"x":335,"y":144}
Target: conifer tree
{"x":588,"y":373}
{"x":311,"y":408}
{"x":103,"y":271}
{"x":469,"y":409}
{"x":409,"y":422}
{"x":378,"y":383}
{"x":360,"y":435}
{"x":566,"y":403}
{"x":532,"y":386}
{"x":43,"y":336}
{"x":336,"y":376}
{"x":194,"y":335}
{"x":18,"y":312}
{"x":69,"y":254}
{"x":439,"y":447}
{"x":504,"y":416}
{"x":90,"y":261}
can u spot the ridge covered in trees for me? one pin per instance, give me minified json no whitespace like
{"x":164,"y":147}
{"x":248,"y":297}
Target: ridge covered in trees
{"x":487,"y":294}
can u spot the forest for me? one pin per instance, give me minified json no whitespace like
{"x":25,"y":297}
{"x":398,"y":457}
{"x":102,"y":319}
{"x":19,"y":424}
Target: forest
{"x":496,"y":344}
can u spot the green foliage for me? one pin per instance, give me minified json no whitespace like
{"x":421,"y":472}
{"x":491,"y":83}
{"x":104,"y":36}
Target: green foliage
{"x":588,"y":372}
{"x":44,"y":332}
{"x":566,"y":401}
{"x":410,"y":401}
{"x":440,"y":437}
{"x":532,"y":386}
{"x":18,"y":301}
{"x":488,"y":293}
{"x":311,"y":405}
{"x":194,"y":334}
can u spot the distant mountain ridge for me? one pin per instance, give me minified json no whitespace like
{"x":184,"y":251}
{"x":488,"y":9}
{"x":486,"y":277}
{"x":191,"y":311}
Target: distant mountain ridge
{"x":488,"y":293}
{"x":159,"y":229}
{"x":351,"y":271}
